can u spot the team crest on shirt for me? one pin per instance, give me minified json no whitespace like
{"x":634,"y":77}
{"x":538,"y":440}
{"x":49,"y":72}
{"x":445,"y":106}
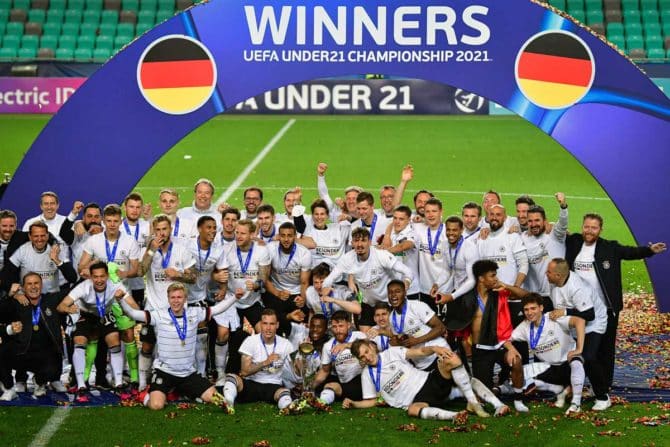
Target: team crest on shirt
{"x":542,"y":246}
{"x":551,"y":333}
{"x":392,"y":367}
{"x":502,"y":249}
{"x":606,"y":265}
{"x":48,"y":312}
{"x":411,"y":322}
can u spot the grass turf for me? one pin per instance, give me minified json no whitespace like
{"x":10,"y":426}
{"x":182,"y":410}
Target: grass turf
{"x":456,"y":157}
{"x":134,"y":426}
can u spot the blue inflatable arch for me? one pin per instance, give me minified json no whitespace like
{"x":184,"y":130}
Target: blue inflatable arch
{"x":557,"y":75}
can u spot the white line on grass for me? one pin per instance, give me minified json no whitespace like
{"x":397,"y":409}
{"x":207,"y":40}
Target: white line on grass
{"x":435,"y":191}
{"x":51,"y":427}
{"x":261,"y":155}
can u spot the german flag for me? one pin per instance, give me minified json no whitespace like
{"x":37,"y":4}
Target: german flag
{"x":177,"y":75}
{"x":554,"y":70}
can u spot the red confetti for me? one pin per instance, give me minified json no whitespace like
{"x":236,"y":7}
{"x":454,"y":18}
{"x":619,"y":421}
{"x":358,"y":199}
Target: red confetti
{"x":200,"y":440}
{"x":408,"y":427}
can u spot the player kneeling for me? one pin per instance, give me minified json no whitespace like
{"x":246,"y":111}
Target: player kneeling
{"x":390,"y":376}
{"x":176,"y":334}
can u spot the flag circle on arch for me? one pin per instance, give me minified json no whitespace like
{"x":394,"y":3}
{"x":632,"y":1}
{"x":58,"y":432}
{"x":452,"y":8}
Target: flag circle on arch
{"x":554,"y":69}
{"x":176,"y":74}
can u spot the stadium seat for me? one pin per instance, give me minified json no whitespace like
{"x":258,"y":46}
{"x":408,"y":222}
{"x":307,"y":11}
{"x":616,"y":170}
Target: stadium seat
{"x":4,"y":15}
{"x":634,"y":41}
{"x":183,"y":4}
{"x":598,"y":28}
{"x":595,"y":16}
{"x":126,"y":16}
{"x":106,"y":42}
{"x":88,"y":29}
{"x":112,"y":5}
{"x":76,"y":4}
{"x":149,"y":5}
{"x":656,"y":53}
{"x":618,"y":40}
{"x":575,"y":4}
{"x":101,"y":54}
{"x":18,"y":15}
{"x":615,"y":28}
{"x":130,"y":5}
{"x":578,"y":14}
{"x":164,"y":14}
{"x":73,"y":16}
{"x":631,"y":15}
{"x":125,"y":29}
{"x":67,"y":42}
{"x":8,"y":53}
{"x":83,"y":54}
{"x":143,"y":27}
{"x":21,"y":4}
{"x":49,"y":41}
{"x":611,"y":4}
{"x":86,"y":42}
{"x":593,"y":5}
{"x":121,"y":41}
{"x":46,"y":53}
{"x":665,"y":16}
{"x":666,"y":29}
{"x":37,"y":15}
{"x":6,"y":4}
{"x":650,"y":16}
{"x":65,"y":53}
{"x":14,"y":29}
{"x":646,"y":5}
{"x":637,"y":53}
{"x":107,"y":29}
{"x":653,"y":41}
{"x":109,"y":16}
{"x":71,"y":29}
{"x":51,"y":28}
{"x":94,"y":5}
{"x":11,"y":41}
{"x":664,"y":5}
{"x":55,"y":15}
{"x":27,"y":53}
{"x":630,"y":4}
{"x":166,"y":4}
{"x":3,"y":25}
{"x":633,"y":28}
{"x":57,"y":4}
{"x":30,"y":41}
{"x":652,"y":28}
{"x":613,"y":15}
{"x":146,"y":15}
{"x":91,"y":16}
{"x":33,"y":28}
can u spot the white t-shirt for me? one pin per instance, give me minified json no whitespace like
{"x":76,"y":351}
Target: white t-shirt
{"x":400,"y":381}
{"x":205,"y":261}
{"x":140,"y":232}
{"x":173,"y":357}
{"x":431,"y":266}
{"x":193,"y":214}
{"x":577,"y":294}
{"x":555,"y":340}
{"x":372,"y":275}
{"x":541,"y":250}
{"x":178,"y":257}
{"x":54,"y":228}
{"x":97,"y":247}
{"x":331,"y":243}
{"x":259,"y":351}
{"x":314,"y":303}
{"x":501,"y":246}
{"x":86,"y":297}
{"x":377,"y":227}
{"x":415,"y":324}
{"x":409,"y":257}
{"x":287,"y":267}
{"x":29,"y":260}
{"x":585,"y":266}
{"x":458,"y":268}
{"x":234,"y":261}
{"x":184,"y":229}
{"x":345,"y":366}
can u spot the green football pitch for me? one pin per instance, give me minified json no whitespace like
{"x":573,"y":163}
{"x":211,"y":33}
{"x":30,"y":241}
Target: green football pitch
{"x":458,"y":158}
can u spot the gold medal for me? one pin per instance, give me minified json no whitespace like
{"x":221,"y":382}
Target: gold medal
{"x":183,"y":342}
{"x":36,"y":327}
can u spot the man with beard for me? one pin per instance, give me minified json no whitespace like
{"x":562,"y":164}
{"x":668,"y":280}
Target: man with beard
{"x":76,"y":233}
{"x":504,"y":248}
{"x":420,"y":199}
{"x":542,"y":247}
{"x":139,"y":229}
{"x":265,"y":221}
{"x":253,"y":197}
{"x":471,"y":214}
{"x":336,"y":359}
{"x":49,"y":205}
{"x":337,"y":209}
{"x":490,"y":199}
{"x":522,"y":204}
{"x":7,"y":230}
{"x":598,"y":262}
{"x":371,"y":269}
{"x":229,"y":219}
{"x":375,"y":223}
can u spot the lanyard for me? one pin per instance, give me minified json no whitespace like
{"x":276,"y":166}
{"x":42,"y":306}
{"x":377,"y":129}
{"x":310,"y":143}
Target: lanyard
{"x":452,"y":260}
{"x":175,"y":233}
{"x":101,"y":304}
{"x":377,"y":380}
{"x":274,"y":346}
{"x":346,"y":340}
{"x":480,"y":301}
{"x":399,"y":328}
{"x":534,"y":339}
{"x":330,"y":306}
{"x":165,"y":259}
{"x":201,"y":263}
{"x":433,"y":247}
{"x":137,"y":229}
{"x":385,"y":342}
{"x":111,"y":253}
{"x":268,"y":238}
{"x":372,"y":225}
{"x":37,"y":311}
{"x":291,"y":254}
{"x":181,"y":331}
{"x":474,"y":232}
{"x":245,"y":266}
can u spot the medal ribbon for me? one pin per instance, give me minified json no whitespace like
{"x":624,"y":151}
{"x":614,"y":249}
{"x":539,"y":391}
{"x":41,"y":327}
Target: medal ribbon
{"x":330,"y":306}
{"x":377,"y":380}
{"x":101,"y":304}
{"x":37,"y":311}
{"x":165,"y":259}
{"x":480,"y":301}
{"x":111,"y":254}
{"x":269,"y":238}
{"x":175,"y":233}
{"x":181,"y":331}
{"x":474,"y":232}
{"x":433,"y":247}
{"x":137,"y":229}
{"x":534,"y":339}
{"x":201,"y":263}
{"x":274,"y":346}
{"x":399,"y":328}
{"x":385,"y":342}
{"x":452,"y":260}
{"x":245,"y":266}
{"x":372,"y":225}
{"x":290,"y":256}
